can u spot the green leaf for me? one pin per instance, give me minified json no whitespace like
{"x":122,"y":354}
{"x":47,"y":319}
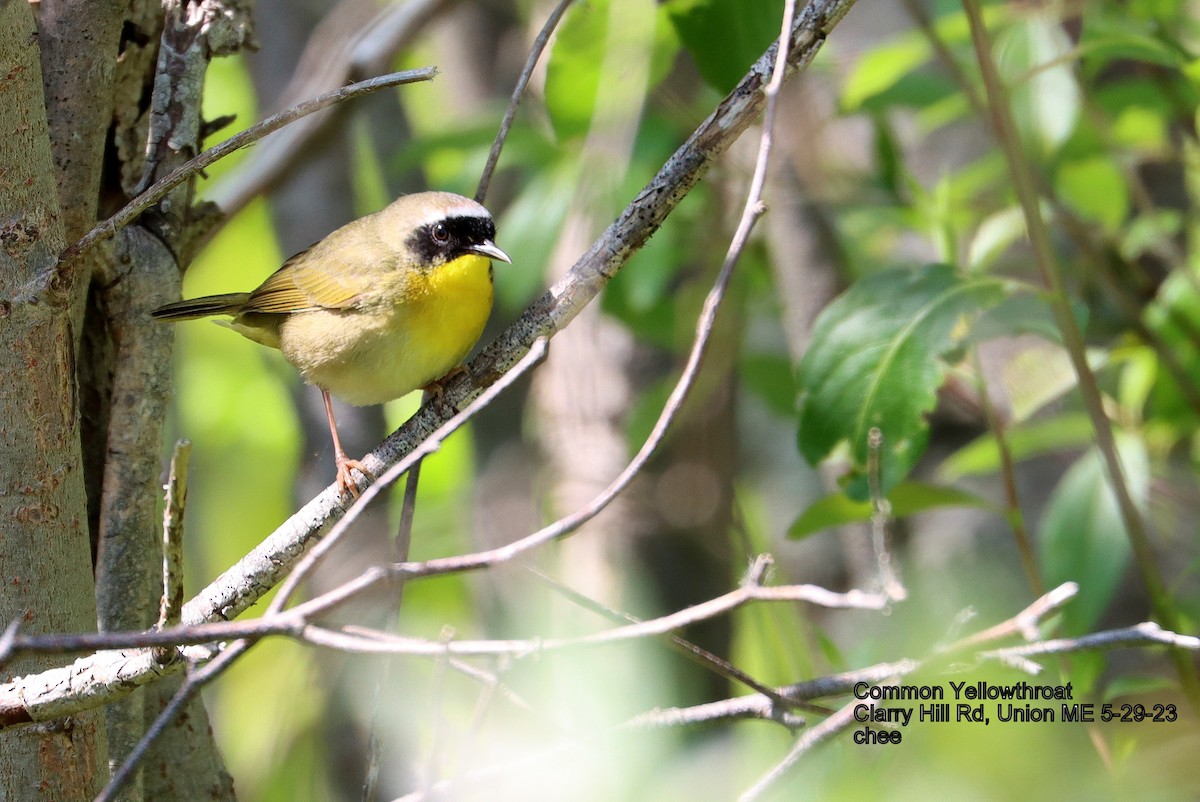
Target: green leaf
{"x":1108,"y":37}
{"x":906,"y":498}
{"x":770,"y":377}
{"x":1034,"y":58}
{"x":874,"y":361}
{"x":1022,"y":313}
{"x":593,"y":62}
{"x":994,"y":236}
{"x":1094,"y":188}
{"x":982,"y":455}
{"x":725,"y":37}
{"x":1083,"y":538}
{"x":882,"y":67}
{"x":1036,"y":376}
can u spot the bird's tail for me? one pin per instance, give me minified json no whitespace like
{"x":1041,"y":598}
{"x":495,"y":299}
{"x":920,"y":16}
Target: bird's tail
{"x":227,"y":304}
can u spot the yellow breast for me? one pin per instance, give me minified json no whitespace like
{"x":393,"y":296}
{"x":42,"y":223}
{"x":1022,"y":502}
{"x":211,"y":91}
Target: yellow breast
{"x":376,"y":354}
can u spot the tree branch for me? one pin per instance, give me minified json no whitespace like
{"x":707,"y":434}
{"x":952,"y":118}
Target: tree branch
{"x":157,"y":191}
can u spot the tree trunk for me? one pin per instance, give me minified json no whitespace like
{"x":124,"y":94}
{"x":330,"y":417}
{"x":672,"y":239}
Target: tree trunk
{"x":45,"y":565}
{"x":85,"y":376}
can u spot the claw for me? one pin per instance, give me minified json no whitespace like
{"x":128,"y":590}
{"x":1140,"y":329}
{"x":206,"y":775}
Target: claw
{"x":345,"y":480}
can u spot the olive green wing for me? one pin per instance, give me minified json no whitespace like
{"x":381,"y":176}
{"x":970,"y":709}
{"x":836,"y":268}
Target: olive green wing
{"x":320,"y":277}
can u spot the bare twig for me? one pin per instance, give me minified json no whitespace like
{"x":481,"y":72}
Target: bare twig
{"x":740,"y":708}
{"x":535,"y":53}
{"x":1024,"y":623}
{"x":385,"y":643}
{"x":843,"y":719}
{"x":176,"y":500}
{"x":401,"y":546}
{"x":1144,"y":634}
{"x":881,"y":513}
{"x":164,"y":185}
{"x":172,"y":543}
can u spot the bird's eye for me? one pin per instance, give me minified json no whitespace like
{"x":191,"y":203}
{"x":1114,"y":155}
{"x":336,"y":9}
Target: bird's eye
{"x":440,"y":233}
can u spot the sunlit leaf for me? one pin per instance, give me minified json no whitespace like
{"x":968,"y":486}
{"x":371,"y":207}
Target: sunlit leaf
{"x":995,"y":235}
{"x":1039,"y":374}
{"x":880,"y":68}
{"x":1034,"y":58}
{"x":874,"y":361}
{"x":1083,"y":537}
{"x":906,"y":498}
{"x":1095,"y":189}
{"x":597,"y":50}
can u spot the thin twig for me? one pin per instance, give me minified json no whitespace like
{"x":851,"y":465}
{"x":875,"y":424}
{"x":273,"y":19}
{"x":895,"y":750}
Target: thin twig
{"x":881,"y":514}
{"x":740,"y":708}
{"x":692,"y":651}
{"x":386,"y":643}
{"x":1008,"y":474}
{"x":843,"y":719}
{"x":164,"y":185}
{"x":172,"y":543}
{"x":436,"y":696}
{"x":325,"y":65}
{"x":401,"y":546}
{"x":1024,"y":623}
{"x":535,"y":53}
{"x":173,"y":508}
{"x":1146,"y":633}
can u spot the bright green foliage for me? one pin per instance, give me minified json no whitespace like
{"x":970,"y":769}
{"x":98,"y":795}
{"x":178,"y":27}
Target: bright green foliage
{"x":875,"y":362}
{"x":1032,"y":57}
{"x":1082,"y":537}
{"x":1095,"y":189}
{"x":593,"y":66}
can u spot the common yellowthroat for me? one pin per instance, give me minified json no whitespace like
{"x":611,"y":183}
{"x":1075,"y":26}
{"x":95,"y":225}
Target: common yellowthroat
{"x":384,"y":305}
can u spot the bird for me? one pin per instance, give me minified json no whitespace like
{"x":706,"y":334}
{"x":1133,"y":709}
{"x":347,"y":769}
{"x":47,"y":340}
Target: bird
{"x":386,"y":304}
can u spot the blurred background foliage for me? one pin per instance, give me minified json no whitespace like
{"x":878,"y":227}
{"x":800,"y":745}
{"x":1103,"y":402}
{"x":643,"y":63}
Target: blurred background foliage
{"x":887,"y":183}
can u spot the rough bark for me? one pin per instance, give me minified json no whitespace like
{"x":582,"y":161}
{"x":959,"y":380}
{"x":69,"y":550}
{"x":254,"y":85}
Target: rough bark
{"x":45,"y":565}
{"x":144,"y":275}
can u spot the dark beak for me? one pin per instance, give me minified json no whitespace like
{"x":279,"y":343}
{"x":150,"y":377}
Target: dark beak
{"x":488,"y":248}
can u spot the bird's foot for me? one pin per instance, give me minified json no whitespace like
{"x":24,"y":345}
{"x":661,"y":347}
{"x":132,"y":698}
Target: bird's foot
{"x":436,"y":389}
{"x":345,"y":481}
